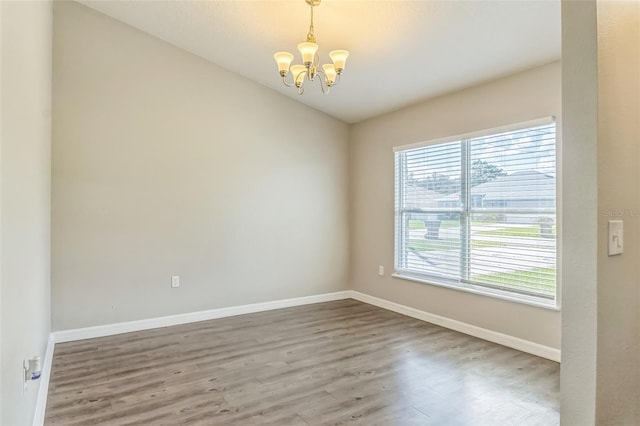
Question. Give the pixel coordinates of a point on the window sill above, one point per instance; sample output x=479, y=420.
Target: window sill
x=496, y=294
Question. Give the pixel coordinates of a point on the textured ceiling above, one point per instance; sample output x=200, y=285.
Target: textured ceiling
x=402, y=52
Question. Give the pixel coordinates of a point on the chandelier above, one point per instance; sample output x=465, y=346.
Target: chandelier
x=310, y=60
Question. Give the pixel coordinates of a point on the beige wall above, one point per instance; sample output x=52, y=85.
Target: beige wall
x=618, y=365
x=580, y=212
x=522, y=97
x=600, y=375
x=25, y=153
x=164, y=164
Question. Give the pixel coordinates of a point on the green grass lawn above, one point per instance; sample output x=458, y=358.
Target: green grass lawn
x=431, y=245
x=419, y=224
x=521, y=231
x=450, y=224
x=448, y=244
x=543, y=279
x=416, y=224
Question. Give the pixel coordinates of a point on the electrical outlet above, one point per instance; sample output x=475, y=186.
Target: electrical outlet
x=381, y=270
x=31, y=370
x=25, y=382
x=175, y=281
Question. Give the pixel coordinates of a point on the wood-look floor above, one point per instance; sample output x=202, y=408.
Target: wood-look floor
x=324, y=364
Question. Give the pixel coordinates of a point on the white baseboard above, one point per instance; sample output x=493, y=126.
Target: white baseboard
x=146, y=324
x=472, y=330
x=41, y=401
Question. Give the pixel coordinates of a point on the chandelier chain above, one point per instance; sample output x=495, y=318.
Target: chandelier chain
x=310, y=36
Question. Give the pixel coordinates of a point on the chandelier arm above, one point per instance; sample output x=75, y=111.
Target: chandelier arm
x=325, y=89
x=284, y=80
x=323, y=83
x=299, y=88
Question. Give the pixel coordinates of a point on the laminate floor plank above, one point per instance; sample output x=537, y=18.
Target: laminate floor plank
x=334, y=363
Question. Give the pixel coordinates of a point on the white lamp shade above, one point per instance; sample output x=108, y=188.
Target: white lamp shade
x=339, y=57
x=298, y=71
x=329, y=73
x=284, y=60
x=308, y=51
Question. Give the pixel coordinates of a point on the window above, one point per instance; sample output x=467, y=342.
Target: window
x=479, y=212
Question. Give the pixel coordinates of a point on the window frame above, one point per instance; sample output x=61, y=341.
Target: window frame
x=467, y=210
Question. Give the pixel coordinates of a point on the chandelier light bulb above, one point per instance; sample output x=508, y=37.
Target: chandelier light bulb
x=298, y=71
x=329, y=73
x=339, y=57
x=308, y=51
x=283, y=59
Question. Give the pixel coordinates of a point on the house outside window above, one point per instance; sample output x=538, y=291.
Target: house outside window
x=478, y=212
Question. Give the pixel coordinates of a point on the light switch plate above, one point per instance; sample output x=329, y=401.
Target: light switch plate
x=615, y=238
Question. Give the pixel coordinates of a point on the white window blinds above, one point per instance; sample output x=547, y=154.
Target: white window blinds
x=480, y=211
